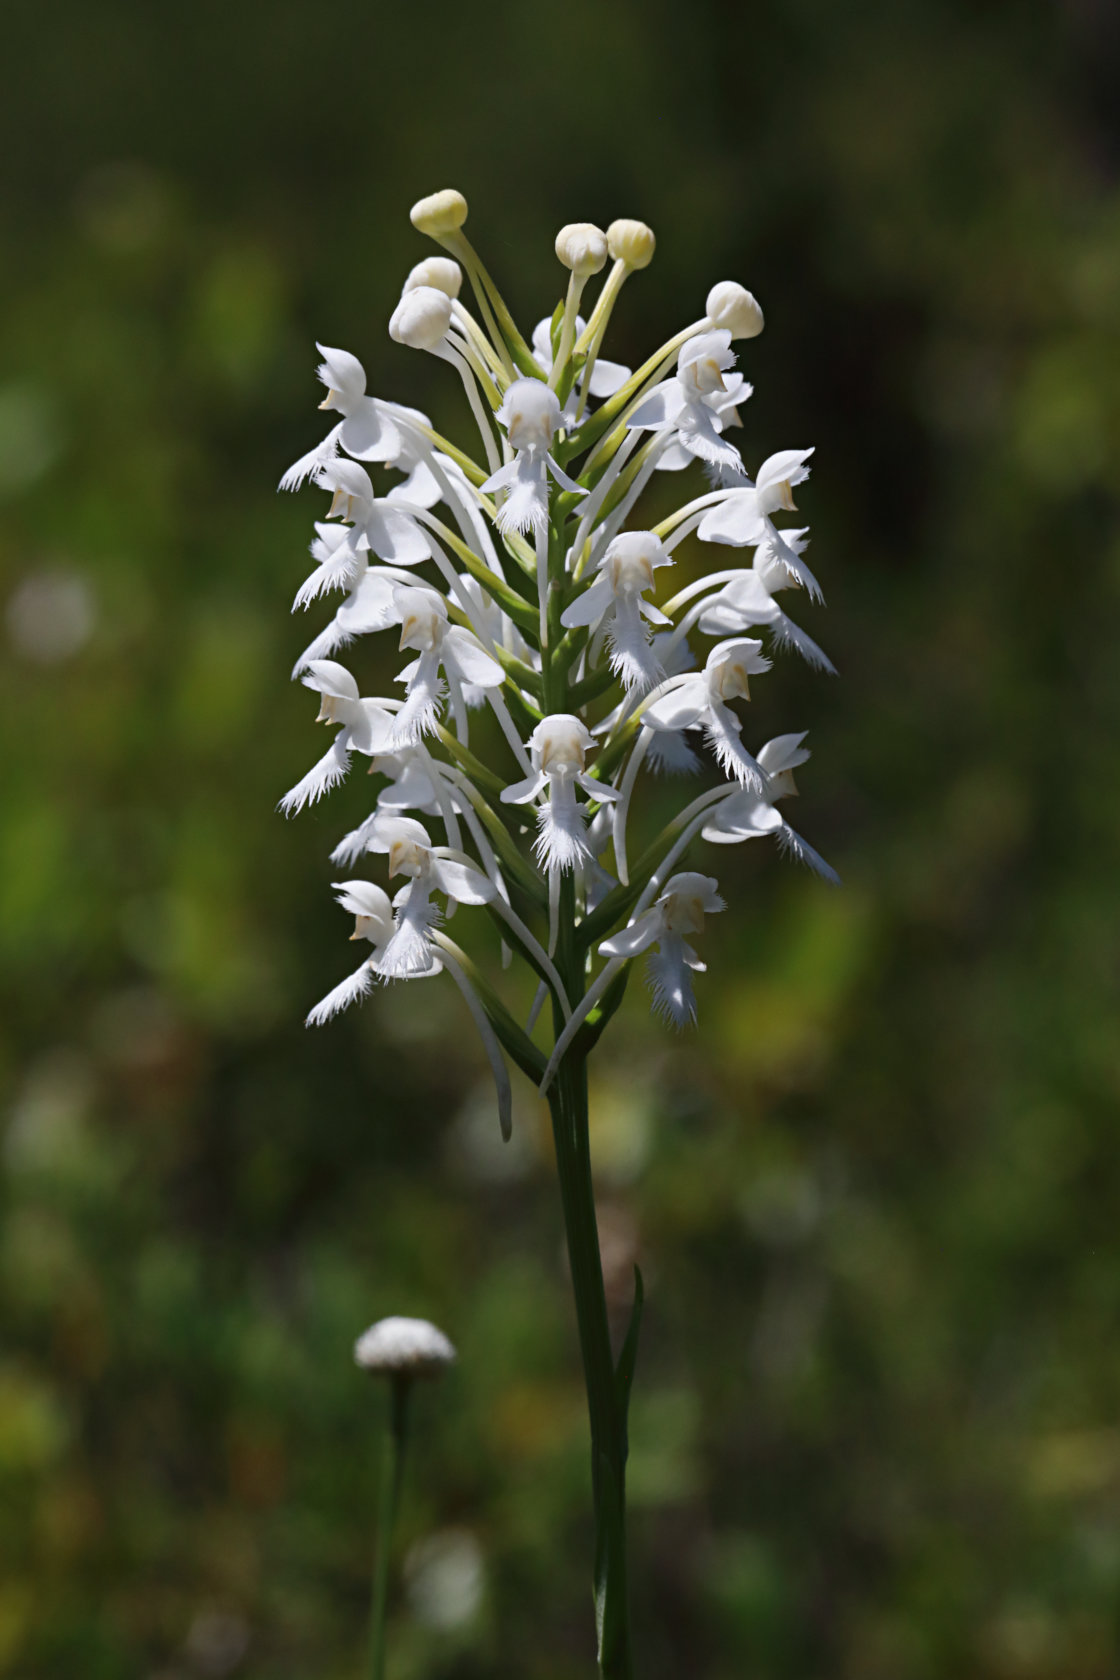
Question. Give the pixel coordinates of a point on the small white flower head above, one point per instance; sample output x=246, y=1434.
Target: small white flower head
x=559, y=743
x=442, y=274
x=732, y=307
x=421, y=318
x=404, y=1347
x=440, y=214
x=677, y=917
x=582, y=247
x=530, y=413
x=631, y=242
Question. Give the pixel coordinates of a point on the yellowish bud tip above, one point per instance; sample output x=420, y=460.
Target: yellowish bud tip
x=582, y=247
x=632, y=243
x=439, y=214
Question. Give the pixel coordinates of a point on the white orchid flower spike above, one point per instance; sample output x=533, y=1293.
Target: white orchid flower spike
x=540, y=611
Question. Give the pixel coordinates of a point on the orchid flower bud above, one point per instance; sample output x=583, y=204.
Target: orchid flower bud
x=631, y=242
x=731, y=306
x=443, y=274
x=582, y=247
x=421, y=318
x=440, y=214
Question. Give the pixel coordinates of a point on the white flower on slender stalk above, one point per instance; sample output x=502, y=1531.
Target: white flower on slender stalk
x=373, y=920
x=428, y=869
x=727, y=603
x=686, y=408
x=676, y=916
x=614, y=604
x=363, y=727
x=426, y=628
x=702, y=701
x=558, y=749
x=377, y=525
x=743, y=518
x=367, y=429
x=531, y=414
x=744, y=816
x=606, y=377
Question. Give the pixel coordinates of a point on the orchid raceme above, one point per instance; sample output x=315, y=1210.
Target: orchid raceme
x=550, y=672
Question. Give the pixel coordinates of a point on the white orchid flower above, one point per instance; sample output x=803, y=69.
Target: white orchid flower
x=703, y=701
x=364, y=727
x=425, y=627
x=373, y=920
x=367, y=430
x=726, y=603
x=531, y=414
x=606, y=377
x=428, y=869
x=745, y=816
x=558, y=751
x=685, y=408
x=677, y=915
x=375, y=523
x=743, y=518
x=614, y=603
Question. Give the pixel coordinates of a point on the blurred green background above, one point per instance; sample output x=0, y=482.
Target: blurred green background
x=875, y=1196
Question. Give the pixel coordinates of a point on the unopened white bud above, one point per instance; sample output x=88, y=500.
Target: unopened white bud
x=582, y=247
x=731, y=306
x=421, y=318
x=633, y=242
x=440, y=213
x=443, y=274
x=404, y=1347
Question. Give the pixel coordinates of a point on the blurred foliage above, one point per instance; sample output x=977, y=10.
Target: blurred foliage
x=877, y=1428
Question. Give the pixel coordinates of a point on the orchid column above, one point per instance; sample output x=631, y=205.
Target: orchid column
x=545, y=686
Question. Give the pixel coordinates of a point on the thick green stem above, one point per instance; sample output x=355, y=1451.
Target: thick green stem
x=392, y=1471
x=606, y=1408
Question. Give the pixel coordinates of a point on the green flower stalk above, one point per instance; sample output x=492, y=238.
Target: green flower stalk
x=544, y=686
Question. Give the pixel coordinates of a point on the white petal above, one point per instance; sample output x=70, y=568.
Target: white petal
x=461, y=880
x=520, y=793
x=681, y=708
x=639, y=936
x=473, y=663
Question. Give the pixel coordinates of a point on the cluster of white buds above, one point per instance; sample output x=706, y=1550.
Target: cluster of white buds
x=523, y=584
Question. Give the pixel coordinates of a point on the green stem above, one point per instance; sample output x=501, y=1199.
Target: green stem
x=569, y=1108
x=392, y=1471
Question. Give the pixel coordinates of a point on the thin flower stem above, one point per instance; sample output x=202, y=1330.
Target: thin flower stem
x=568, y=1105
x=392, y=1473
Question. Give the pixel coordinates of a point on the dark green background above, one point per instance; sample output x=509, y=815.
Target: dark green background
x=875, y=1195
